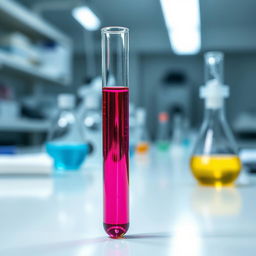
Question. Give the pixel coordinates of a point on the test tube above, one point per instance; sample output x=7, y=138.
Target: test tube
x=115, y=114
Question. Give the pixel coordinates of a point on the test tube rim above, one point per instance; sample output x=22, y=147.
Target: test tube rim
x=114, y=30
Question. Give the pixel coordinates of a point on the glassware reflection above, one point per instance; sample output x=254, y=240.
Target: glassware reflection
x=70, y=183
x=142, y=160
x=68, y=211
x=216, y=201
x=116, y=248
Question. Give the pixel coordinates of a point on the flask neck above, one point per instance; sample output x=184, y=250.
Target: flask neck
x=215, y=113
x=68, y=115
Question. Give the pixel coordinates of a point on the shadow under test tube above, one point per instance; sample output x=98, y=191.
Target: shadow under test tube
x=115, y=130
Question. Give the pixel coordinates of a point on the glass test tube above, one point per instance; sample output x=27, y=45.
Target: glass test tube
x=115, y=107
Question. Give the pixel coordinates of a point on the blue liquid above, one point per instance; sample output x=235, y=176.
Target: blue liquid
x=67, y=157
x=132, y=150
x=186, y=142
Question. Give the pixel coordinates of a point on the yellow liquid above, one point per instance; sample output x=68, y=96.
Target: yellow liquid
x=215, y=170
x=142, y=147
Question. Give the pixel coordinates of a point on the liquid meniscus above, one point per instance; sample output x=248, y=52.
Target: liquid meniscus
x=215, y=170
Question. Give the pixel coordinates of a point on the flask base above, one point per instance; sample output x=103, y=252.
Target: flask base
x=219, y=170
x=116, y=231
x=203, y=182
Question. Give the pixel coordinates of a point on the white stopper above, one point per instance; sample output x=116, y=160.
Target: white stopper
x=214, y=94
x=66, y=100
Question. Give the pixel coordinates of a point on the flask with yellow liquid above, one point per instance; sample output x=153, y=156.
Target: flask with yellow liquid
x=214, y=159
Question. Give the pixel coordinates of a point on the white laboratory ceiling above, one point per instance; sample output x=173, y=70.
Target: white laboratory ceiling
x=227, y=25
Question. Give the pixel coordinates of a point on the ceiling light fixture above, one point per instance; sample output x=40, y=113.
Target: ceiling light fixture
x=86, y=17
x=182, y=18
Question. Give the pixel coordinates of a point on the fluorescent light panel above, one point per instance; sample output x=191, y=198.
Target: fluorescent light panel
x=85, y=16
x=182, y=18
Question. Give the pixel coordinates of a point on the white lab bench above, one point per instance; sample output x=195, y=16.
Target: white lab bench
x=170, y=213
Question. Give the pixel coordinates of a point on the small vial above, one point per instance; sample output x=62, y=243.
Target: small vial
x=142, y=133
x=215, y=160
x=163, y=139
x=115, y=106
x=142, y=147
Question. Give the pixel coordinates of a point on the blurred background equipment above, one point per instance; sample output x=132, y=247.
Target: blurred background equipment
x=46, y=44
x=48, y=48
x=142, y=137
x=34, y=56
x=215, y=159
x=89, y=113
x=163, y=138
x=66, y=139
x=174, y=96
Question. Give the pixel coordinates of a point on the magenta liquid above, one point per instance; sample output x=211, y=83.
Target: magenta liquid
x=116, y=160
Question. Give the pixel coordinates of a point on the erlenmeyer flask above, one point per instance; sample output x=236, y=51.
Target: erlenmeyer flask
x=66, y=143
x=214, y=160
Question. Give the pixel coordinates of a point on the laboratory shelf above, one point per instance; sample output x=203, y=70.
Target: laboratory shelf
x=24, y=125
x=9, y=63
x=171, y=215
x=17, y=18
x=14, y=17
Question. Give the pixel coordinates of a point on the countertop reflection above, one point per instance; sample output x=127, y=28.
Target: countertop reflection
x=170, y=214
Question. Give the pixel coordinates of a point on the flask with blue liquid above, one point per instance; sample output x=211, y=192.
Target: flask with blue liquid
x=66, y=142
